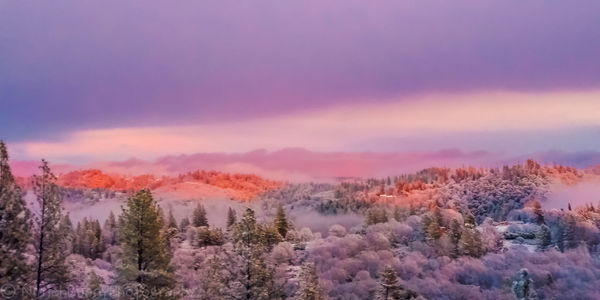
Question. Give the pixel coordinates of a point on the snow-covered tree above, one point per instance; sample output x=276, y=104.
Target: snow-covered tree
x=281, y=222
x=543, y=238
x=146, y=259
x=523, y=286
x=310, y=288
x=50, y=242
x=15, y=225
x=231, y=218
x=199, y=216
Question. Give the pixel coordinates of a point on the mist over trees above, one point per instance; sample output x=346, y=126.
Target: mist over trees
x=436, y=234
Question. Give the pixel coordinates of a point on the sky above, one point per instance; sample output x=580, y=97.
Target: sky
x=82, y=82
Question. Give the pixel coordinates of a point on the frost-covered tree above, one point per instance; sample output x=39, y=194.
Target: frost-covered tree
x=251, y=245
x=15, y=227
x=199, y=216
x=470, y=241
x=310, y=288
x=570, y=239
x=376, y=215
x=146, y=260
x=523, y=286
x=110, y=230
x=543, y=238
x=89, y=240
x=94, y=290
x=183, y=225
x=231, y=217
x=389, y=287
x=455, y=235
x=281, y=222
x=50, y=242
x=539, y=214
x=171, y=222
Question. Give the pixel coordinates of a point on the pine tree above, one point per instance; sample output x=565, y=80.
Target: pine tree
x=470, y=241
x=523, y=287
x=539, y=214
x=146, y=261
x=199, y=219
x=15, y=227
x=95, y=283
x=310, y=289
x=111, y=229
x=543, y=238
x=51, y=270
x=389, y=286
x=281, y=222
x=66, y=226
x=231, y=218
x=376, y=215
x=89, y=239
x=569, y=233
x=434, y=230
x=172, y=223
x=185, y=222
x=455, y=235
x=249, y=243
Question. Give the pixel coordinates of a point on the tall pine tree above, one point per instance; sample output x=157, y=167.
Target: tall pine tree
x=51, y=269
x=231, y=217
x=251, y=245
x=543, y=238
x=146, y=261
x=281, y=223
x=310, y=289
x=15, y=226
x=199, y=217
x=390, y=288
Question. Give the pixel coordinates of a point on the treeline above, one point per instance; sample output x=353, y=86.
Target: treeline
x=139, y=243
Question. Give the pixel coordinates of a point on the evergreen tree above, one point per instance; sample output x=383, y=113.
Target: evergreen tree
x=185, y=222
x=257, y=277
x=523, y=286
x=376, y=215
x=66, y=226
x=231, y=218
x=172, y=223
x=281, y=222
x=569, y=233
x=398, y=216
x=146, y=261
x=89, y=240
x=310, y=289
x=539, y=214
x=470, y=241
x=455, y=235
x=199, y=219
x=543, y=238
x=51, y=270
x=389, y=286
x=15, y=225
x=111, y=229
x=95, y=283
x=433, y=228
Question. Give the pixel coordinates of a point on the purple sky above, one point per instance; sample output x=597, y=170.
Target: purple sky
x=70, y=66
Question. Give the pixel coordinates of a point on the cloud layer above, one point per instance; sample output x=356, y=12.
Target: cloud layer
x=113, y=64
x=510, y=123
